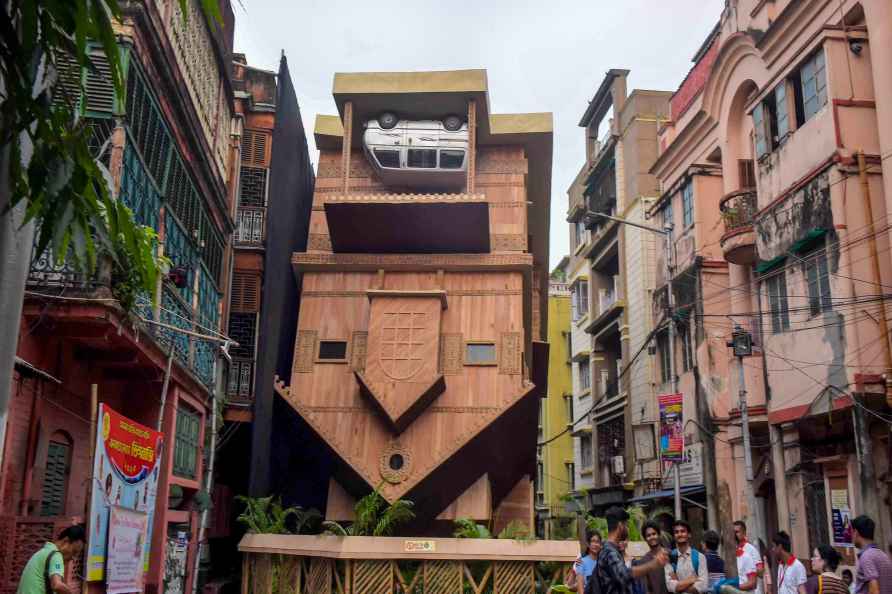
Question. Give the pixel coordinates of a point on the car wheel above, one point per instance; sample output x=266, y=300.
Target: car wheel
x=452, y=123
x=388, y=120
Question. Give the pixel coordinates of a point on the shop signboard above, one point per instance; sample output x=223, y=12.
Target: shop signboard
x=125, y=474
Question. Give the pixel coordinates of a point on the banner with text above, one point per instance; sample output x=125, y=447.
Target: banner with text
x=671, y=428
x=125, y=474
x=841, y=518
x=126, y=547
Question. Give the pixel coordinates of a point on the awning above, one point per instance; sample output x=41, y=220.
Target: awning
x=768, y=265
x=668, y=493
x=29, y=369
x=809, y=241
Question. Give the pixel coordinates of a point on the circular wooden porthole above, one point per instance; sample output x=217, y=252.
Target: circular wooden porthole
x=395, y=464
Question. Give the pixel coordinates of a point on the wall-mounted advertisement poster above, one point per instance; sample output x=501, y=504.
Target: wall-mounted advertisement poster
x=125, y=474
x=126, y=548
x=671, y=428
x=841, y=516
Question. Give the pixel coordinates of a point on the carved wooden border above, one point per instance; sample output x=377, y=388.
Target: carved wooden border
x=509, y=353
x=450, y=362
x=360, y=350
x=319, y=241
x=504, y=242
x=305, y=350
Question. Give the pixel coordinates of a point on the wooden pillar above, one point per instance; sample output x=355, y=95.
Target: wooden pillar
x=346, y=145
x=472, y=144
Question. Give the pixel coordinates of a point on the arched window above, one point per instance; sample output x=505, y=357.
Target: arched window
x=56, y=473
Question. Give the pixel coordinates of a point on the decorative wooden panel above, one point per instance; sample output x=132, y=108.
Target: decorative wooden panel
x=442, y=577
x=507, y=243
x=403, y=347
x=290, y=575
x=514, y=577
x=510, y=349
x=305, y=351
x=359, y=348
x=262, y=574
x=372, y=577
x=245, y=292
x=319, y=577
x=451, y=354
x=319, y=241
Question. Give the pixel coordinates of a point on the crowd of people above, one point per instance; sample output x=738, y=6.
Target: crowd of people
x=605, y=567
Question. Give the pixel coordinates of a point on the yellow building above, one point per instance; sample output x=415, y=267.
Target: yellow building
x=554, y=476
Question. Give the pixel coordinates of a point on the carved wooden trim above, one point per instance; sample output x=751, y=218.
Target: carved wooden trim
x=318, y=294
x=360, y=348
x=414, y=261
x=483, y=292
x=500, y=184
x=504, y=242
x=502, y=165
x=305, y=350
x=472, y=144
x=464, y=409
x=319, y=241
x=507, y=205
x=328, y=294
x=345, y=145
x=450, y=362
x=403, y=198
x=509, y=353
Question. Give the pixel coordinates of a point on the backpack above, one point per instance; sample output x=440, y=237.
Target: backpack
x=598, y=579
x=695, y=560
x=48, y=584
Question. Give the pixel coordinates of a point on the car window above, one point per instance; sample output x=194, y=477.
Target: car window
x=451, y=159
x=388, y=158
x=422, y=158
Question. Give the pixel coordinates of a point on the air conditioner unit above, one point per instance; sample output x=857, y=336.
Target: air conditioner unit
x=619, y=465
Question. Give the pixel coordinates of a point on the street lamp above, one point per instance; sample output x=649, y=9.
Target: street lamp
x=741, y=344
x=589, y=218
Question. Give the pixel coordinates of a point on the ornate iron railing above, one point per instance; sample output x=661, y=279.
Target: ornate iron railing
x=241, y=376
x=738, y=209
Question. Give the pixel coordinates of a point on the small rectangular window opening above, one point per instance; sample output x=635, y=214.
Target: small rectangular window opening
x=332, y=350
x=480, y=353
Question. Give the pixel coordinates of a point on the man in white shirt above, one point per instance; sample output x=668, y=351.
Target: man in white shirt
x=791, y=574
x=749, y=564
x=687, y=571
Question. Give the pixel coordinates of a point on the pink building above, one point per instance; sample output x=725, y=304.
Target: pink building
x=775, y=171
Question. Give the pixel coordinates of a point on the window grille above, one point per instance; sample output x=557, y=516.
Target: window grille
x=776, y=286
x=243, y=329
x=55, y=479
x=138, y=192
x=185, y=456
x=147, y=125
x=253, y=187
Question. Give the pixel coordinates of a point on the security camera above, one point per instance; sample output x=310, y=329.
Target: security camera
x=856, y=45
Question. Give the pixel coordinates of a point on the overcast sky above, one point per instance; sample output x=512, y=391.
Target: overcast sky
x=544, y=55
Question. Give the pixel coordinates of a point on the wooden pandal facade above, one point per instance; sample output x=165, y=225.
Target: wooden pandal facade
x=419, y=357
x=364, y=565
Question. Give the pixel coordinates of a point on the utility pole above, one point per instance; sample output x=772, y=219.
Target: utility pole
x=742, y=343
x=670, y=270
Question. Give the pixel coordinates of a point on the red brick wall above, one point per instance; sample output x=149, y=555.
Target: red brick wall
x=694, y=82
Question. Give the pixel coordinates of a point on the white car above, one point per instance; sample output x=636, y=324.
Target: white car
x=430, y=154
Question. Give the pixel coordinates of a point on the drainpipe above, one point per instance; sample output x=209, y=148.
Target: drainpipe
x=208, y=481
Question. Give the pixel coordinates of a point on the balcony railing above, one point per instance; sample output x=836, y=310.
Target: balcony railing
x=738, y=209
x=297, y=564
x=250, y=225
